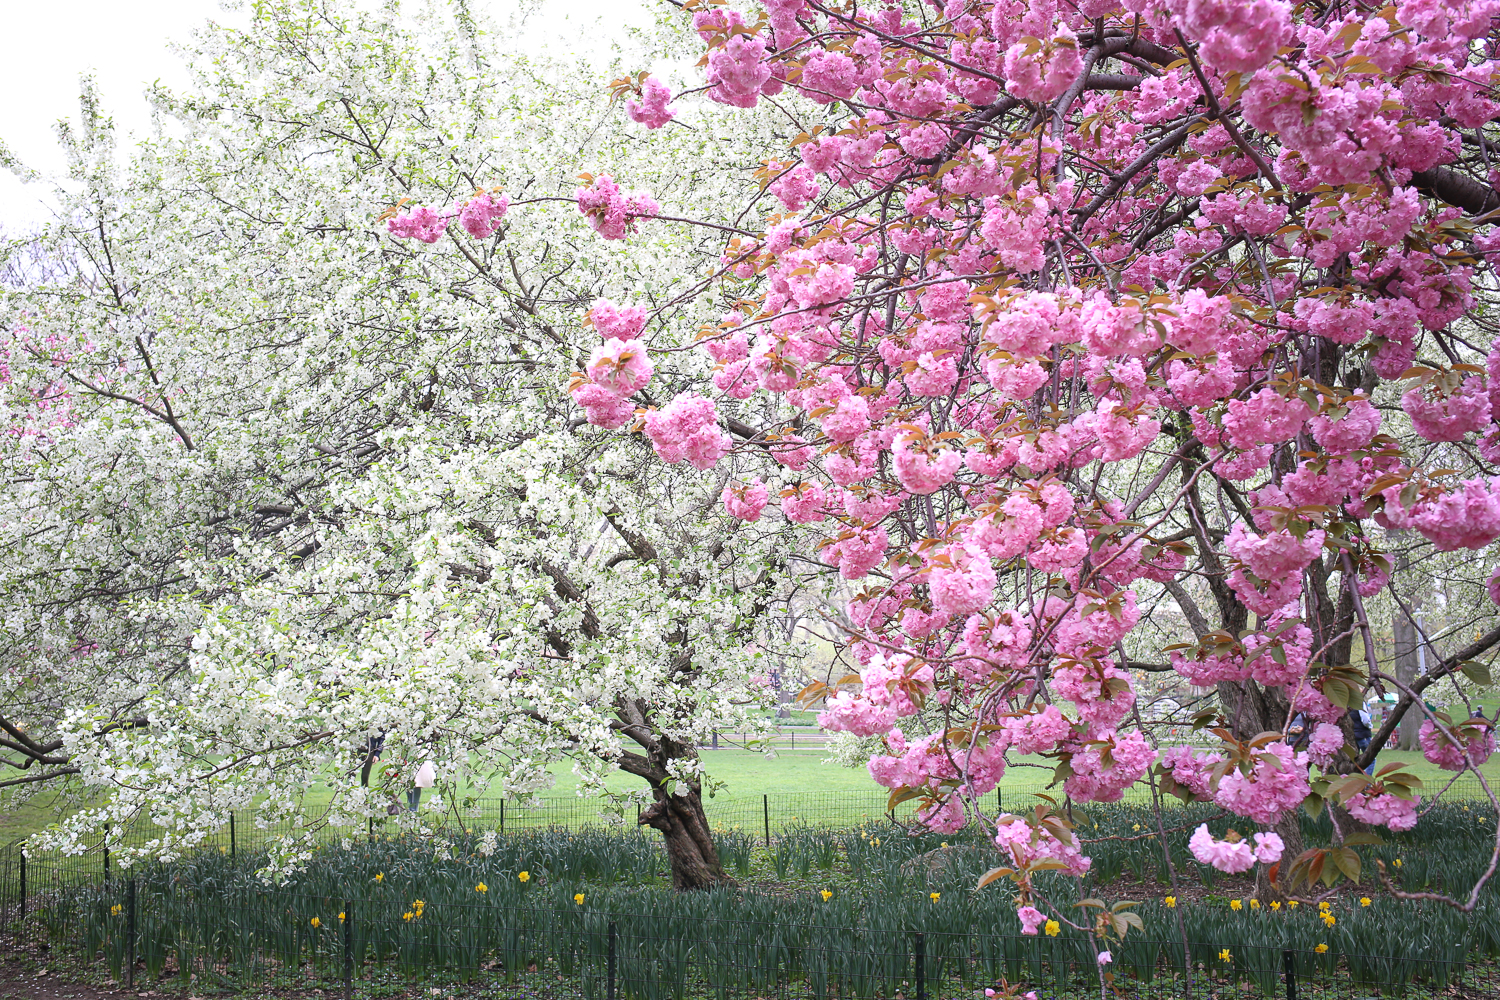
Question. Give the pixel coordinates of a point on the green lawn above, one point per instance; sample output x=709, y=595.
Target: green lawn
x=791, y=788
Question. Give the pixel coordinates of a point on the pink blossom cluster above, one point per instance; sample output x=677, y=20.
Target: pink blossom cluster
x=746, y=501
x=1027, y=844
x=1478, y=745
x=1326, y=742
x=421, y=223
x=479, y=216
x=1108, y=764
x=617, y=322
x=651, y=110
x=1276, y=784
x=1234, y=856
x=617, y=368
x=1448, y=417
x=1461, y=519
x=1378, y=807
x=612, y=212
x=687, y=428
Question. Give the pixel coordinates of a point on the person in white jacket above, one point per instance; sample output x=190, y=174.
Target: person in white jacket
x=425, y=777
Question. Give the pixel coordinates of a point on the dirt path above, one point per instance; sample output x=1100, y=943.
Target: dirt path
x=18, y=983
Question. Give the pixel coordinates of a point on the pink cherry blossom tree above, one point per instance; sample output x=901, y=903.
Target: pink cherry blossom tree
x=1106, y=339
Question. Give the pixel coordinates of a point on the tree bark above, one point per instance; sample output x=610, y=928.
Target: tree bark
x=679, y=818
x=1404, y=631
x=690, y=843
x=1289, y=829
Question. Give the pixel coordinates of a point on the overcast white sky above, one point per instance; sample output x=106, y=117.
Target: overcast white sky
x=125, y=46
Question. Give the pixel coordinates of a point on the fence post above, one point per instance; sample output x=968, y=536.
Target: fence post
x=920, y=955
x=609, y=965
x=1291, y=975
x=130, y=933
x=348, y=950
x=106, y=854
x=23, y=888
x=502, y=815
x=999, y=802
x=231, y=833
x=765, y=805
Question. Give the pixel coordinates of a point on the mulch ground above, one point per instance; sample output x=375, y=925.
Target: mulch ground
x=21, y=983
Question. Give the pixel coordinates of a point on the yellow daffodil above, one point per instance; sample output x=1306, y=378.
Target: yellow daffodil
x=1137, y=828
x=1275, y=905
x=1364, y=901
x=114, y=911
x=1224, y=955
x=578, y=899
x=380, y=876
x=1398, y=862
x=524, y=876
x=827, y=895
x=1321, y=948
x=1254, y=904
x=341, y=916
x=945, y=844
x=316, y=922
x=1235, y=904
x=1292, y=904
x=1325, y=906
x=934, y=896
x=1171, y=902
x=481, y=887
x=407, y=916
x=1052, y=927
x=1329, y=919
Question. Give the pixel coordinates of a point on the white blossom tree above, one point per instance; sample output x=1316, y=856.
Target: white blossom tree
x=279, y=484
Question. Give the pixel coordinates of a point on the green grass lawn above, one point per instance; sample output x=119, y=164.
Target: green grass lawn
x=793, y=787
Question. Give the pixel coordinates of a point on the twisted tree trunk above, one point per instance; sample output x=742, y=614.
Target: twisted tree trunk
x=677, y=812
x=690, y=843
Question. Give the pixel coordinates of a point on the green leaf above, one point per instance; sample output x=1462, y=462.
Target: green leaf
x=1479, y=673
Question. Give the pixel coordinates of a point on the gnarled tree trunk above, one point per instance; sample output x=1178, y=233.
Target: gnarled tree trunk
x=679, y=817
x=690, y=844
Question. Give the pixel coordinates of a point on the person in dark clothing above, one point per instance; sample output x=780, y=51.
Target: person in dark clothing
x=372, y=754
x=1359, y=726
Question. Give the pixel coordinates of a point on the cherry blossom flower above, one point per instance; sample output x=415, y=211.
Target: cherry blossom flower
x=651, y=110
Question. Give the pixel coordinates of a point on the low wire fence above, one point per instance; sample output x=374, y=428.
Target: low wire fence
x=570, y=948
x=28, y=870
